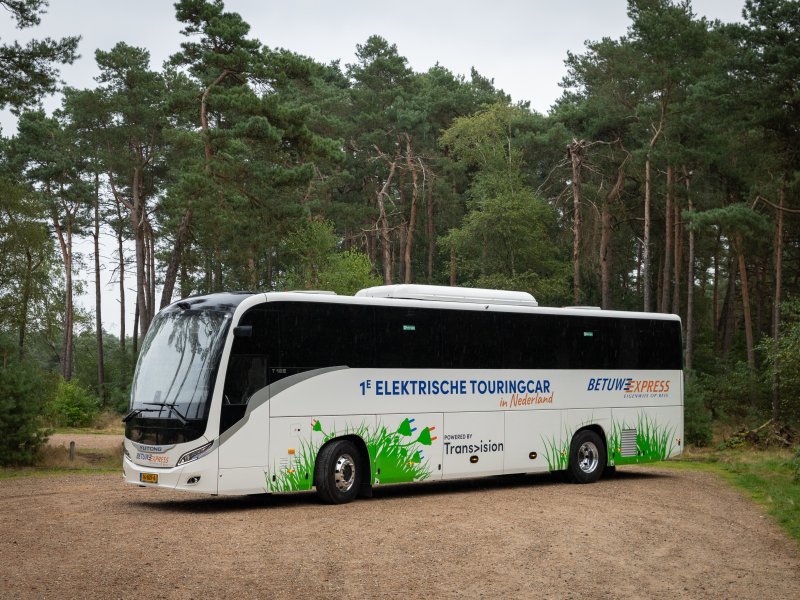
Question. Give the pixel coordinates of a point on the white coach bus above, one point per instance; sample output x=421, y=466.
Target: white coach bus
x=246, y=393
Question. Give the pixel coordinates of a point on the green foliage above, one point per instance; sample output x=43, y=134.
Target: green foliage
x=347, y=272
x=23, y=390
x=118, y=369
x=310, y=250
x=735, y=392
x=795, y=464
x=72, y=405
x=506, y=238
x=696, y=417
x=783, y=360
x=29, y=72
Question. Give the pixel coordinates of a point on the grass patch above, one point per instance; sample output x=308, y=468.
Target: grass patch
x=766, y=476
x=55, y=461
x=106, y=423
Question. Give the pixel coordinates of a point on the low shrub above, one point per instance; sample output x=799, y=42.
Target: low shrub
x=23, y=393
x=73, y=405
x=696, y=417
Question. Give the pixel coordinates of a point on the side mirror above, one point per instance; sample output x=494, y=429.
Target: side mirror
x=243, y=331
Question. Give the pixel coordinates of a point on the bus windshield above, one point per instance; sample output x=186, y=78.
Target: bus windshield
x=175, y=376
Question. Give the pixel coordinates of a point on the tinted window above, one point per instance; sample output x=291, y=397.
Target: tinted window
x=247, y=365
x=659, y=345
x=407, y=337
x=470, y=340
x=314, y=335
x=531, y=341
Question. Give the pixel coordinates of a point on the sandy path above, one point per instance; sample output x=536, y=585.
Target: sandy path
x=648, y=533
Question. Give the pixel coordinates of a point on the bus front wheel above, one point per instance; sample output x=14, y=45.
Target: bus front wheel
x=587, y=457
x=338, y=472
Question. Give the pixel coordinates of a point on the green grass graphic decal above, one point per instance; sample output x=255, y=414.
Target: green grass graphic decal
x=653, y=441
x=557, y=456
x=395, y=456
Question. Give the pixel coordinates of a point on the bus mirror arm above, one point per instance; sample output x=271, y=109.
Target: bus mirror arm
x=243, y=331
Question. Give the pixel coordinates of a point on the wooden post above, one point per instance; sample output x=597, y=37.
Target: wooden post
x=71, y=451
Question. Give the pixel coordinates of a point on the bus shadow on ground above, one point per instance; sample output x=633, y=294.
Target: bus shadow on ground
x=221, y=504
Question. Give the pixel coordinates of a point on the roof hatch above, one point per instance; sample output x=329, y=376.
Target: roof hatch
x=441, y=293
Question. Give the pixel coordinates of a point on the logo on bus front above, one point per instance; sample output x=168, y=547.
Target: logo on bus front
x=152, y=449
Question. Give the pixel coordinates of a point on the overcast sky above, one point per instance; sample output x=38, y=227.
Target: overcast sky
x=521, y=44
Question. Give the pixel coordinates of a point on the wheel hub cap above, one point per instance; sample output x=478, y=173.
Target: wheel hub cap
x=344, y=473
x=588, y=457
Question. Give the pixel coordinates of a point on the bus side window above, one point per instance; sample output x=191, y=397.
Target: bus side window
x=247, y=368
x=409, y=338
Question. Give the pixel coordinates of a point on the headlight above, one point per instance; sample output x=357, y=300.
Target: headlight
x=194, y=454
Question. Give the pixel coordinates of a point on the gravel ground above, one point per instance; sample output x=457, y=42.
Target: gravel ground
x=646, y=533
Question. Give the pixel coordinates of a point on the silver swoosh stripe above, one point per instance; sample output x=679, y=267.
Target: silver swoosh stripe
x=263, y=395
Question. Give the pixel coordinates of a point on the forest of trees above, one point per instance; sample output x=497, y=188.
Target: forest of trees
x=665, y=178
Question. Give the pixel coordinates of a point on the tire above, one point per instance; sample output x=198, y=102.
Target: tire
x=338, y=472
x=587, y=457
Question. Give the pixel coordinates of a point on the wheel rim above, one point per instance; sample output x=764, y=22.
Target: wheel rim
x=344, y=474
x=588, y=457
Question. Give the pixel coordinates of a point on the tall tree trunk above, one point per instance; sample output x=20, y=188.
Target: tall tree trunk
x=689, y=285
x=659, y=283
x=646, y=236
x=122, y=315
x=677, y=260
x=575, y=152
x=605, y=257
x=26, y=297
x=216, y=281
x=383, y=225
x=175, y=258
x=138, y=225
x=252, y=276
x=726, y=315
x=715, y=295
x=65, y=242
x=639, y=275
x=748, y=325
x=776, y=303
x=412, y=218
x=453, y=268
x=431, y=230
x=648, y=190
x=151, y=267
x=668, y=233
x=135, y=331
x=98, y=292
x=605, y=237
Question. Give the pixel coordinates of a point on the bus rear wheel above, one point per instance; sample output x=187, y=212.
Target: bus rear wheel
x=338, y=472
x=587, y=457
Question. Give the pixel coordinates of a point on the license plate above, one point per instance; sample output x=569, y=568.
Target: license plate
x=148, y=477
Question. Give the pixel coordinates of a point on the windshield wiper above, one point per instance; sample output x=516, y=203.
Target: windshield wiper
x=135, y=412
x=171, y=407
